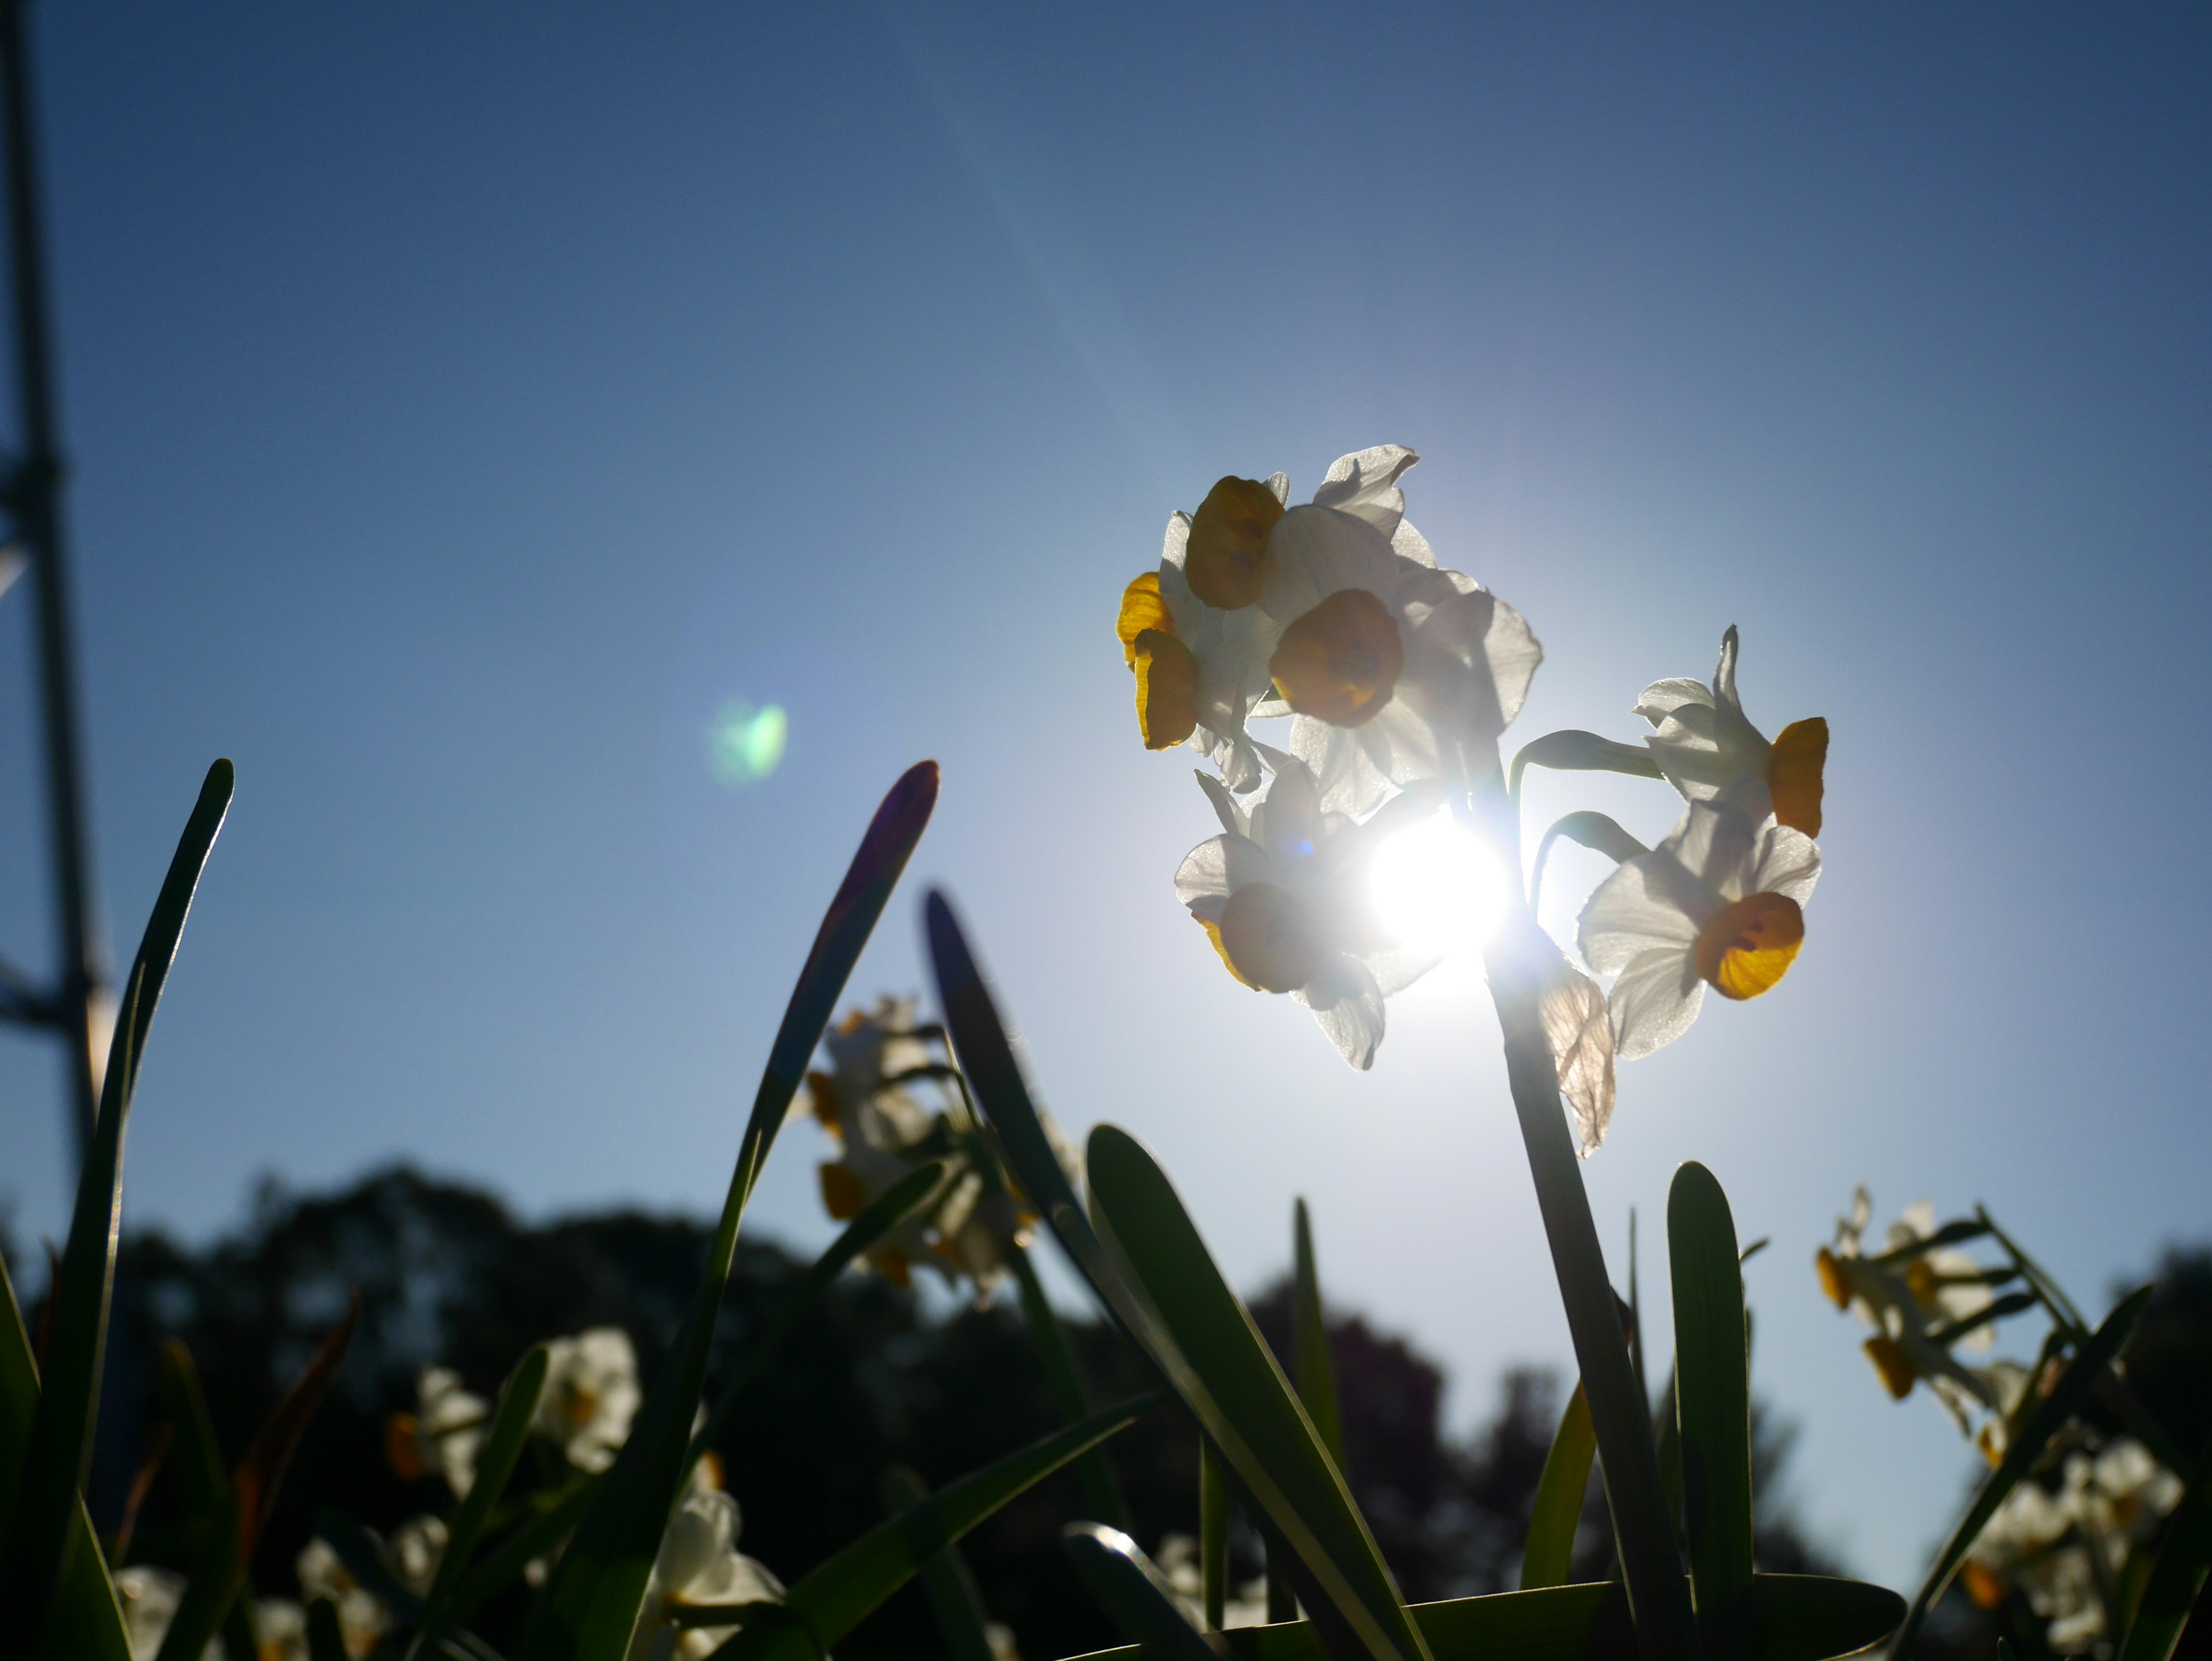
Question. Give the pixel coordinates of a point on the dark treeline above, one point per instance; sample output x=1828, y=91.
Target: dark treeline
x=867, y=1379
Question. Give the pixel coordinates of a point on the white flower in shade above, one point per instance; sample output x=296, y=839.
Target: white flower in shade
x=416, y=1548
x=1197, y=633
x=698, y=1563
x=1178, y=1560
x=280, y=1631
x=443, y=1434
x=1710, y=750
x=590, y=1396
x=149, y=1598
x=1718, y=903
x=1286, y=896
x=361, y=1617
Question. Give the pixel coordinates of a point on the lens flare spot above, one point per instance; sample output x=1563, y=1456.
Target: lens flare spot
x=744, y=744
x=1437, y=887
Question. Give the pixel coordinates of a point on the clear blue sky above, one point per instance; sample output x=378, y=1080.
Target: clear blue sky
x=466, y=402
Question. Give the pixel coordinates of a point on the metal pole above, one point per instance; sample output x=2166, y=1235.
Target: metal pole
x=34, y=493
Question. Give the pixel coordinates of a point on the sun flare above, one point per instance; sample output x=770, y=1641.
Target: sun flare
x=1439, y=887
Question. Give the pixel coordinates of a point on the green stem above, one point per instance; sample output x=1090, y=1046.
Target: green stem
x=1213, y=1533
x=1658, y=1594
x=1092, y=1473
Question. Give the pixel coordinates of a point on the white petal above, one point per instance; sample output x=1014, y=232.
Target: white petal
x=1313, y=552
x=1185, y=610
x=1349, y=781
x=1399, y=967
x=1177, y=541
x=1225, y=805
x=1348, y=1004
x=1280, y=484
x=1788, y=862
x=1408, y=543
x=1656, y=997
x=1514, y=654
x=1664, y=698
x=1366, y=485
x=1724, y=672
x=1636, y=910
x=1579, y=1025
x=1214, y=870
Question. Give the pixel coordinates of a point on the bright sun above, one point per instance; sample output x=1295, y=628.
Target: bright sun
x=1437, y=887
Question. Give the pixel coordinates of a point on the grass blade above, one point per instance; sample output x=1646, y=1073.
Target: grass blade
x=1212, y=1534
x=502, y=1447
x=961, y=1621
x=2068, y=1398
x=1317, y=1371
x=1549, y=1559
x=200, y=1473
x=39, y=1536
x=1796, y=1617
x=1049, y=1337
x=1204, y=1339
x=845, y=1591
x=2177, y=1576
x=325, y=1640
x=1712, y=1405
x=506, y=1562
x=87, y=1617
x=592, y=1602
x=228, y=1550
x=884, y=1214
x=1136, y=1596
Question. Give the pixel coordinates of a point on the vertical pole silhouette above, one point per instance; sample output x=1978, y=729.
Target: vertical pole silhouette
x=31, y=492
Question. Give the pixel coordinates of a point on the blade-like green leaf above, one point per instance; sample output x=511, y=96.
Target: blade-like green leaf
x=2177, y=1576
x=994, y=1078
x=40, y=1493
x=504, y=1563
x=227, y=1552
x=592, y=1603
x=1558, y=1510
x=87, y=1622
x=496, y=1461
x=1573, y=751
x=366, y=1559
x=842, y=1592
x=1712, y=1404
x=1101, y=1500
x=1136, y=1596
x=1796, y=1617
x=1316, y=1369
x=1203, y=1338
x=325, y=1639
x=201, y=1478
x=884, y=1214
x=2051, y=1416
x=946, y=1581
x=1212, y=1534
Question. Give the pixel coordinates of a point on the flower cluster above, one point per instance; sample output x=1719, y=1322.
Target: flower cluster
x=873, y=1102
x=1399, y=679
x=2062, y=1547
x=590, y=1396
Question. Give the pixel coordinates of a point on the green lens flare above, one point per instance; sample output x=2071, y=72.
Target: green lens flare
x=744, y=744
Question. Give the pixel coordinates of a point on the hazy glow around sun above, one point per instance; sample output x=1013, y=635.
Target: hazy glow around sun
x=1439, y=887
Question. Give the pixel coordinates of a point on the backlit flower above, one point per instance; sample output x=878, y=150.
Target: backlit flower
x=361, y=1618
x=698, y=1563
x=149, y=1598
x=1397, y=672
x=1718, y=903
x=1710, y=750
x=1194, y=632
x=443, y=1434
x=590, y=1396
x=1284, y=893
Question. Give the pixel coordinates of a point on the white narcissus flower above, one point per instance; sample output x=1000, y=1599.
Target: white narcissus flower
x=698, y=1563
x=149, y=1598
x=1178, y=1560
x=1196, y=634
x=1710, y=750
x=444, y=1434
x=590, y=1396
x=1718, y=903
x=1285, y=895
x=1578, y=1026
x=361, y=1617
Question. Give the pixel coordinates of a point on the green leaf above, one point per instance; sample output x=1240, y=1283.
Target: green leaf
x=1049, y=1337
x=1574, y=751
x=227, y=1552
x=1213, y=1533
x=882, y=1214
x=365, y=1559
x=1559, y=1493
x=2051, y=1415
x=845, y=1591
x=197, y=1461
x=504, y=1564
x=1203, y=1338
x=325, y=1639
x=1712, y=1404
x=39, y=1492
x=87, y=1622
x=1310, y=1340
x=598, y=1587
x=1796, y=1617
x=495, y=1460
x=2177, y=1576
x=946, y=1581
x=1136, y=1596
